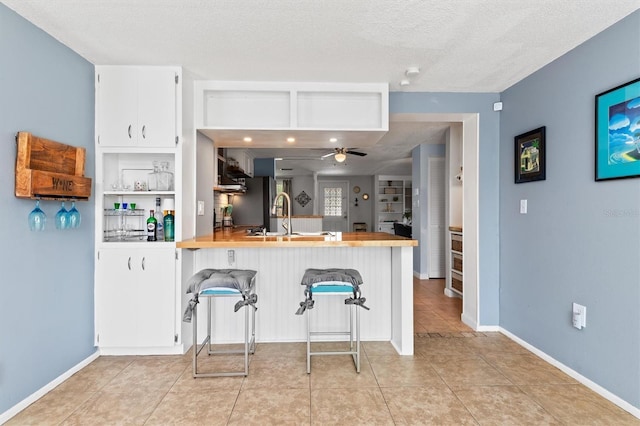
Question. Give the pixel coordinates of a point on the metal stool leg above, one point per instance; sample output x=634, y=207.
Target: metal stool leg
x=354, y=347
x=249, y=343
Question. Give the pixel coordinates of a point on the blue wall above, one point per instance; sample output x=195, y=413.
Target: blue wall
x=580, y=241
x=46, y=290
x=489, y=136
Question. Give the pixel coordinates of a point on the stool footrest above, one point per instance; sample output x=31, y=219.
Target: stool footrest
x=334, y=353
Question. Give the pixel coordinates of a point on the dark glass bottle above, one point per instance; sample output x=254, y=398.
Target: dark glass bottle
x=151, y=227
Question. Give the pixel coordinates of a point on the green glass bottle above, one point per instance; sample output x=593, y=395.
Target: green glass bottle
x=151, y=227
x=169, y=226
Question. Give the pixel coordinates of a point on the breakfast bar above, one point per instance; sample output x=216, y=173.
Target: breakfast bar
x=385, y=262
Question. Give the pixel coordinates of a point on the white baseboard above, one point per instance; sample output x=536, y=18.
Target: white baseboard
x=420, y=276
x=4, y=417
x=163, y=350
x=488, y=328
x=574, y=374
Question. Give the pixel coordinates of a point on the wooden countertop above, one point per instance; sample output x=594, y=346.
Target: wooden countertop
x=237, y=237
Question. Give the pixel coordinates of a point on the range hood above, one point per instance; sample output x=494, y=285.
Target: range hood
x=234, y=188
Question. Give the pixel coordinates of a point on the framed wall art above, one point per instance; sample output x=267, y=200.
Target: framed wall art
x=618, y=132
x=530, y=157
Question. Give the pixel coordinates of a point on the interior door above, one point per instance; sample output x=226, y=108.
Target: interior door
x=334, y=205
x=435, y=221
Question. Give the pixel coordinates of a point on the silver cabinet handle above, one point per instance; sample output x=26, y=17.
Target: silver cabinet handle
x=129, y=263
x=129, y=131
x=144, y=132
x=143, y=259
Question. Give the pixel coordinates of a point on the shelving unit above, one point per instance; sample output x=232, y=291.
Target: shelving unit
x=393, y=199
x=120, y=173
x=137, y=298
x=456, y=284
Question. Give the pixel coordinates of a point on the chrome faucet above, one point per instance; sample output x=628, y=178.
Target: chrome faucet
x=273, y=210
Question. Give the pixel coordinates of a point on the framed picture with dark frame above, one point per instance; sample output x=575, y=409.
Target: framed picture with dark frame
x=530, y=157
x=618, y=132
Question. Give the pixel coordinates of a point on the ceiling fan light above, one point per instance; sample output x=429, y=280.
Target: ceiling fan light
x=340, y=157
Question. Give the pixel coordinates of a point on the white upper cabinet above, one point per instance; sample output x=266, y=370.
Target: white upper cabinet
x=136, y=106
x=226, y=112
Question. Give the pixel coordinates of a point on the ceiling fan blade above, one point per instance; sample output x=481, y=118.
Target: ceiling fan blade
x=361, y=154
x=328, y=155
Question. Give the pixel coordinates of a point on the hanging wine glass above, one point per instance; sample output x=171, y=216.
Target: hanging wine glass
x=74, y=216
x=62, y=218
x=37, y=218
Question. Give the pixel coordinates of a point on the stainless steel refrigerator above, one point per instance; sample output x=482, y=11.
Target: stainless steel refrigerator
x=253, y=208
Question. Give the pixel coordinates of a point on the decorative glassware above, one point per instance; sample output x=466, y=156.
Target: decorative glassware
x=37, y=218
x=152, y=178
x=165, y=177
x=74, y=216
x=62, y=218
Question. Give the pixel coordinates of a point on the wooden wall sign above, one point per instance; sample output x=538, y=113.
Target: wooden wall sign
x=50, y=170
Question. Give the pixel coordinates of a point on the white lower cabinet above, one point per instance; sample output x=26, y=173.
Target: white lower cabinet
x=135, y=297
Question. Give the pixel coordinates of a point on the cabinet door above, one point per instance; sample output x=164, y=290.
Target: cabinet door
x=134, y=297
x=248, y=168
x=117, y=106
x=156, y=295
x=137, y=106
x=157, y=107
x=115, y=299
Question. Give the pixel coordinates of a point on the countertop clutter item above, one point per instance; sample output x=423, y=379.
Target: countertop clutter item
x=50, y=170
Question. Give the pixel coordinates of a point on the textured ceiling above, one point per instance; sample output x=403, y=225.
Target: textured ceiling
x=459, y=45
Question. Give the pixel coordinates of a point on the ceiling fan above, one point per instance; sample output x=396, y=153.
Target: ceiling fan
x=340, y=154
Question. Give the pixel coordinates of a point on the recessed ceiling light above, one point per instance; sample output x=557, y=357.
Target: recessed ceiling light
x=291, y=139
x=334, y=140
x=247, y=139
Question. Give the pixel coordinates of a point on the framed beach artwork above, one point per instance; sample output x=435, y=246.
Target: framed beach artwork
x=530, y=157
x=618, y=132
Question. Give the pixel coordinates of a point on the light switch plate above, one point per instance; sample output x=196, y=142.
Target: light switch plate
x=200, y=208
x=523, y=206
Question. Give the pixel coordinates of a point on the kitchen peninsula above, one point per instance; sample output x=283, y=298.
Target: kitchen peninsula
x=384, y=261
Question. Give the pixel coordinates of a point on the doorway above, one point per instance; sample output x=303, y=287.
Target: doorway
x=334, y=205
x=467, y=124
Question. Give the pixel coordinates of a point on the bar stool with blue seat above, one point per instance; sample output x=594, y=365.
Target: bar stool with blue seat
x=212, y=283
x=330, y=282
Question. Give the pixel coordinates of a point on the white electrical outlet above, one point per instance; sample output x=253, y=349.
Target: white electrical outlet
x=579, y=317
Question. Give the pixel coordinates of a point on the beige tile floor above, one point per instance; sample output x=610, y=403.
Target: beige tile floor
x=456, y=377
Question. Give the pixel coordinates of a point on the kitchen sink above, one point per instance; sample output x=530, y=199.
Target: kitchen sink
x=267, y=234
x=293, y=235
